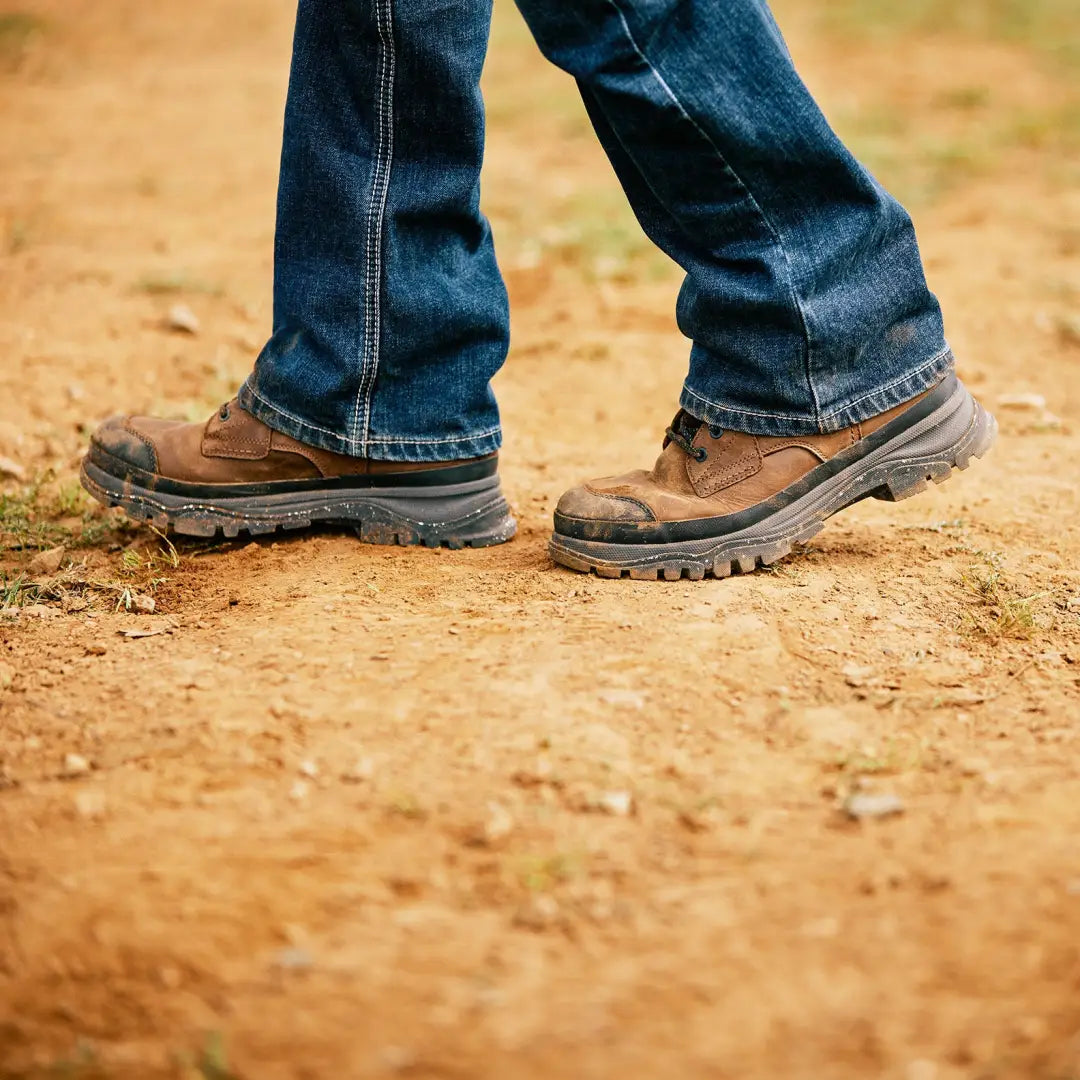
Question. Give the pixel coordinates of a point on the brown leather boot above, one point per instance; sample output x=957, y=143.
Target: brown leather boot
x=234, y=473
x=718, y=501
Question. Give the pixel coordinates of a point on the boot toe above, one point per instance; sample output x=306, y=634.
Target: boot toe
x=584, y=510
x=117, y=443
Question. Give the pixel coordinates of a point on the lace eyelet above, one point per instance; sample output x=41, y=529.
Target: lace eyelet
x=715, y=432
x=700, y=453
x=223, y=412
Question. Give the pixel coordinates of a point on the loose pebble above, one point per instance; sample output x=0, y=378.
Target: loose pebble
x=90, y=804
x=293, y=959
x=143, y=604
x=75, y=765
x=1022, y=401
x=618, y=803
x=11, y=470
x=499, y=823
x=867, y=804
x=364, y=769
x=182, y=319
x=537, y=913
x=46, y=563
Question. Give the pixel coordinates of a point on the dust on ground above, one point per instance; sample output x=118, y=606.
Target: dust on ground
x=330, y=810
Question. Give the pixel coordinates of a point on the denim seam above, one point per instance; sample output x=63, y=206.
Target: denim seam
x=421, y=441
x=373, y=266
x=299, y=423
x=913, y=374
x=935, y=359
x=749, y=195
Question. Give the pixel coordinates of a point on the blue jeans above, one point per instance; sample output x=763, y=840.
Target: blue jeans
x=804, y=299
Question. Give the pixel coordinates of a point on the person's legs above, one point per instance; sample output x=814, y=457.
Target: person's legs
x=390, y=316
x=371, y=404
x=819, y=372
x=805, y=297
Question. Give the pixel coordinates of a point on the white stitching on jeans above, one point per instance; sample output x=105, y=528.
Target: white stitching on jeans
x=934, y=361
x=738, y=179
x=300, y=425
x=373, y=264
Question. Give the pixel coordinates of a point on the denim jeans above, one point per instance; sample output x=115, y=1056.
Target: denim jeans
x=804, y=298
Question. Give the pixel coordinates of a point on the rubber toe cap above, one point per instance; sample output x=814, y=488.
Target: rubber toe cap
x=122, y=445
x=586, y=513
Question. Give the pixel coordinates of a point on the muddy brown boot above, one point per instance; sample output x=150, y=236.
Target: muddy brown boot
x=234, y=473
x=718, y=501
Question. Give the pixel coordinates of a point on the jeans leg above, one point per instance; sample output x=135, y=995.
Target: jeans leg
x=390, y=317
x=805, y=297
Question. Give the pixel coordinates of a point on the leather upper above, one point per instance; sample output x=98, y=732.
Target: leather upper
x=732, y=472
x=232, y=447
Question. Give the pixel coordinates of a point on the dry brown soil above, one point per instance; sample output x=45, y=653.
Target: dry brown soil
x=358, y=812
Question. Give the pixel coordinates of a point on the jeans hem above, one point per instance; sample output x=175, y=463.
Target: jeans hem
x=374, y=447
x=753, y=422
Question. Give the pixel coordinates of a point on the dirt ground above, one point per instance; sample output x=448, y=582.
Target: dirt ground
x=348, y=812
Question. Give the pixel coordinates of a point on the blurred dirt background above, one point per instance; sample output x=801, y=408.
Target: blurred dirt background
x=311, y=809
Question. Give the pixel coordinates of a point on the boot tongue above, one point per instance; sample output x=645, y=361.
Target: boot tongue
x=686, y=425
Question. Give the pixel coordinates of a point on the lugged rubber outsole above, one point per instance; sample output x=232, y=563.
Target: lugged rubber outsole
x=472, y=514
x=950, y=438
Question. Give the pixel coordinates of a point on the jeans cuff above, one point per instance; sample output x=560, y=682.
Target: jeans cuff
x=864, y=407
x=375, y=448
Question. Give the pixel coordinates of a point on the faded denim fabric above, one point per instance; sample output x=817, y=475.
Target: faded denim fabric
x=804, y=298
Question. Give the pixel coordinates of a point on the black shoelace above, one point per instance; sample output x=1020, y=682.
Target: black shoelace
x=682, y=434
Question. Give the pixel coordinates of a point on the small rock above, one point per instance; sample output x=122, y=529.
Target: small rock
x=499, y=823
x=46, y=563
x=75, y=765
x=38, y=611
x=96, y=649
x=538, y=913
x=293, y=959
x=629, y=699
x=1022, y=401
x=182, y=319
x=865, y=804
x=309, y=769
x=299, y=791
x=143, y=604
x=7, y=675
x=856, y=675
x=364, y=769
x=90, y=804
x=921, y=1069
x=11, y=470
x=618, y=803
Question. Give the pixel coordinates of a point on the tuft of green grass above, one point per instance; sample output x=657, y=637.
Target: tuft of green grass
x=38, y=516
x=17, y=30
x=541, y=873
x=213, y=1061
x=997, y=611
x=406, y=806
x=42, y=515
x=18, y=236
x=175, y=283
x=891, y=760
